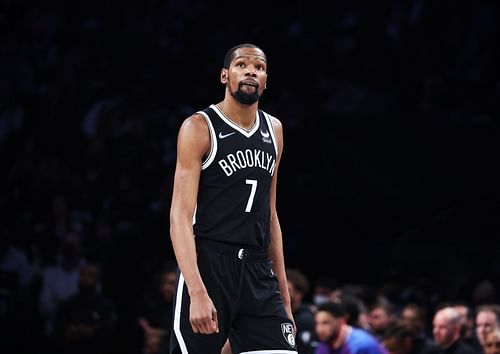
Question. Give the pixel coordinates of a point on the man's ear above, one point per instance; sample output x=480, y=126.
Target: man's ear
x=223, y=76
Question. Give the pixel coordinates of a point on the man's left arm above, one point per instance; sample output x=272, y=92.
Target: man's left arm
x=276, y=246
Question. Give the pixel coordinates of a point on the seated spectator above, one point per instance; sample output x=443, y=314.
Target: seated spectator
x=380, y=316
x=492, y=343
x=413, y=315
x=351, y=296
x=400, y=338
x=60, y=281
x=18, y=289
x=467, y=318
x=487, y=321
x=446, y=327
x=155, y=311
x=324, y=286
x=336, y=336
x=86, y=322
x=298, y=287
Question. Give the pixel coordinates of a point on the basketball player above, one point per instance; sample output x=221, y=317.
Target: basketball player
x=225, y=229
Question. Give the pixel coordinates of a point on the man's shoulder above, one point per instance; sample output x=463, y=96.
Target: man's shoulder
x=322, y=348
x=361, y=341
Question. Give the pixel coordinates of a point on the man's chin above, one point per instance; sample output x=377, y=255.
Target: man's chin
x=246, y=98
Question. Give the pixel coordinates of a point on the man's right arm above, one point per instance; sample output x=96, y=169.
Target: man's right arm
x=192, y=145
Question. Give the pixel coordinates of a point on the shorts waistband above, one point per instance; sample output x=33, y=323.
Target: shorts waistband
x=238, y=251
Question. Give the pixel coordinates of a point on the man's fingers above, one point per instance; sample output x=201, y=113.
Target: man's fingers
x=215, y=321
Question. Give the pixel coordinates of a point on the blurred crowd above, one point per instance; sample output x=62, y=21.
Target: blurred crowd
x=92, y=94
x=355, y=318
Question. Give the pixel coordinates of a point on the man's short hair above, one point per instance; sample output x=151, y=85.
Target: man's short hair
x=337, y=310
x=229, y=57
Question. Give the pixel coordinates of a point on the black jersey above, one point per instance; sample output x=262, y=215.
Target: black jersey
x=233, y=195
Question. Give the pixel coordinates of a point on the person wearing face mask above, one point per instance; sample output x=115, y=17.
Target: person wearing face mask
x=323, y=289
x=85, y=323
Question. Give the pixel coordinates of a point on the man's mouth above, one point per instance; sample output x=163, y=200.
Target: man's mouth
x=249, y=83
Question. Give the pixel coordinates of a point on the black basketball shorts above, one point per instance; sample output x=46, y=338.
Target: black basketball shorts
x=249, y=306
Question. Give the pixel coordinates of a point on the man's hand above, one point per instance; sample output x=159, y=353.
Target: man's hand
x=203, y=315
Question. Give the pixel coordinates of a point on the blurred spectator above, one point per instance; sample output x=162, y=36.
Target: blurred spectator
x=323, y=287
x=155, y=310
x=60, y=281
x=487, y=321
x=492, y=344
x=15, y=260
x=86, y=322
x=380, y=316
x=298, y=287
x=401, y=338
x=446, y=331
x=413, y=316
x=467, y=320
x=353, y=297
x=336, y=336
x=18, y=286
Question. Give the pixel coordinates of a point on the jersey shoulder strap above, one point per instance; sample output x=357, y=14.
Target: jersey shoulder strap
x=211, y=119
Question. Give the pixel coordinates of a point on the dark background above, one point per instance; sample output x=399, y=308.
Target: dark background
x=390, y=167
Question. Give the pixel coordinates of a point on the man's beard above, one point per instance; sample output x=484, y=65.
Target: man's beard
x=332, y=338
x=245, y=97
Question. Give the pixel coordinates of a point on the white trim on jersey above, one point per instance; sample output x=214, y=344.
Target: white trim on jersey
x=271, y=129
x=213, y=142
x=247, y=133
x=177, y=315
x=276, y=351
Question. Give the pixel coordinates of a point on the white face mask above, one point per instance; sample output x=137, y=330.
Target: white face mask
x=319, y=299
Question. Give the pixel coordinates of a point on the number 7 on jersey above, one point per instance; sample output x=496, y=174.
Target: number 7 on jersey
x=253, y=183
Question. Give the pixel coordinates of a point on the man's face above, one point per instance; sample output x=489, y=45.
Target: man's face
x=492, y=343
x=168, y=281
x=443, y=331
x=486, y=322
x=378, y=319
x=247, y=75
x=327, y=326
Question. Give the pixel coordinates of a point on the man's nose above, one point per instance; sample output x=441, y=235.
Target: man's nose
x=251, y=71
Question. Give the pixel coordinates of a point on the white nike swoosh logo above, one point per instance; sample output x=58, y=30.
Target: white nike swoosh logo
x=222, y=136
x=264, y=134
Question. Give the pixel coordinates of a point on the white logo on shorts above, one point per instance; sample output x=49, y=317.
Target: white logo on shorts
x=287, y=330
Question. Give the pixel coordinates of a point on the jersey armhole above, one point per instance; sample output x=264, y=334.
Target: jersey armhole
x=270, y=126
x=213, y=142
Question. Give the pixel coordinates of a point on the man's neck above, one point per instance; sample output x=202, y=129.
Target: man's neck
x=345, y=331
x=241, y=114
